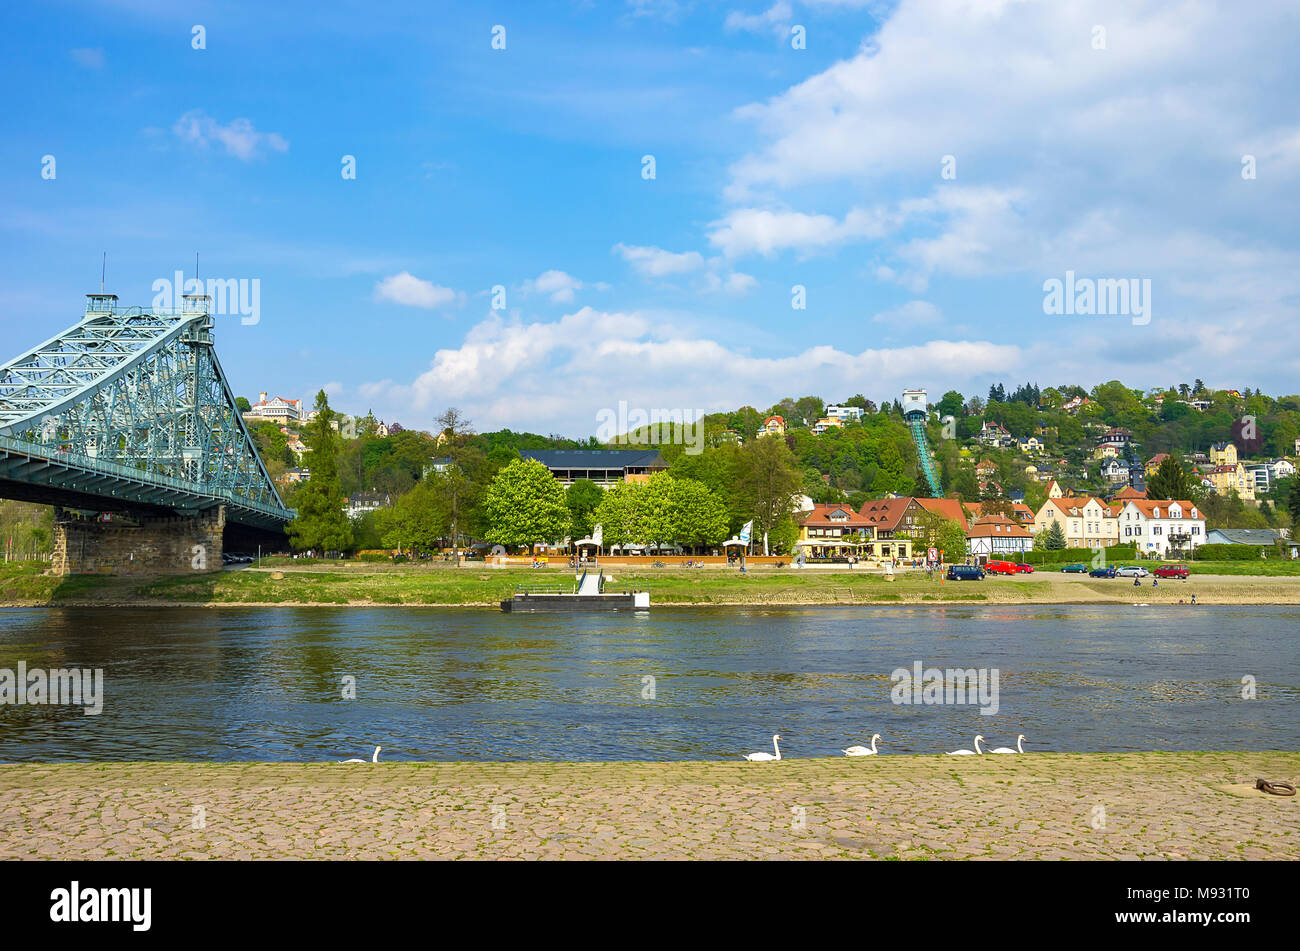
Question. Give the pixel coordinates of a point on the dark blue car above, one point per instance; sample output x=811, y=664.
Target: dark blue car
x=1110, y=571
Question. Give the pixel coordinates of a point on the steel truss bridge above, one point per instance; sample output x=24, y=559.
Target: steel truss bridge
x=129, y=410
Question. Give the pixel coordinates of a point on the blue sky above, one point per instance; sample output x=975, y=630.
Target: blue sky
x=1115, y=155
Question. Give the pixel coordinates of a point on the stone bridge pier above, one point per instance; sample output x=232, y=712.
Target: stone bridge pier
x=138, y=544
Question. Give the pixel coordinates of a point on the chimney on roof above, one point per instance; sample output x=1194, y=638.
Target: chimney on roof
x=261, y=397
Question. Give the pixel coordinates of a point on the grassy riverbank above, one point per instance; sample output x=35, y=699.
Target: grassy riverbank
x=361, y=584
x=1036, y=806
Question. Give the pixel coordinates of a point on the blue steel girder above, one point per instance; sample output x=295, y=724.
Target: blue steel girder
x=133, y=404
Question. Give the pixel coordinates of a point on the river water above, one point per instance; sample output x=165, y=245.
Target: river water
x=448, y=684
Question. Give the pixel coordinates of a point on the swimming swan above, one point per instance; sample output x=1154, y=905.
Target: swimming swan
x=862, y=750
x=978, y=740
x=765, y=757
x=1007, y=749
x=373, y=759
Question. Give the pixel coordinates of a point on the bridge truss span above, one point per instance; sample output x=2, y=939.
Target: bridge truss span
x=131, y=406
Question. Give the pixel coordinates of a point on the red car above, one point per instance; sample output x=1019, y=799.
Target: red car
x=1024, y=569
x=1001, y=568
x=1171, y=571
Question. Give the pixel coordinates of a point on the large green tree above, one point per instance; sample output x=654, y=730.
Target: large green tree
x=1169, y=481
x=951, y=405
x=415, y=522
x=453, y=485
x=321, y=524
x=616, y=514
x=932, y=530
x=583, y=498
x=525, y=505
x=700, y=517
x=767, y=479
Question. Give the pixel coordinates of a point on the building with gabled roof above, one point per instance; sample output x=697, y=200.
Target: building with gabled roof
x=836, y=531
x=996, y=536
x=1087, y=521
x=1157, y=526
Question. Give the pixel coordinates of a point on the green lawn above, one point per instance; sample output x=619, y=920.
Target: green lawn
x=1270, y=568
x=315, y=582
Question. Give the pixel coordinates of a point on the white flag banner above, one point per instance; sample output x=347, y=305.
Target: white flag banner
x=745, y=532
x=597, y=535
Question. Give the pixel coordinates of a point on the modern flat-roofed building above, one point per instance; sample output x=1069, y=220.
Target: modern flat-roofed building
x=844, y=413
x=605, y=467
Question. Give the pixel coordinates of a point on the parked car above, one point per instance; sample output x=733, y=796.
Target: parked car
x=1110, y=571
x=1000, y=567
x=1132, y=571
x=1023, y=569
x=965, y=573
x=1078, y=568
x=1171, y=571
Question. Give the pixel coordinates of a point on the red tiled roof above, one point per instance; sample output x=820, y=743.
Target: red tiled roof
x=884, y=514
x=1148, y=506
x=997, y=526
x=947, y=508
x=820, y=516
x=1070, y=505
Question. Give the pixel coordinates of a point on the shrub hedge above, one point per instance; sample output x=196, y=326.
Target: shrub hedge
x=1070, y=555
x=1235, y=552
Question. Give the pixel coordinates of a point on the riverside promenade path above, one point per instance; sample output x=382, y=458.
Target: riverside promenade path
x=1035, y=806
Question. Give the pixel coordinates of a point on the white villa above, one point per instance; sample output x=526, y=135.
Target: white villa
x=1156, y=525
x=276, y=410
x=844, y=413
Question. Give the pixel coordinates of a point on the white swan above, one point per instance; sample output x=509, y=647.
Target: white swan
x=1007, y=749
x=373, y=759
x=765, y=757
x=978, y=739
x=862, y=750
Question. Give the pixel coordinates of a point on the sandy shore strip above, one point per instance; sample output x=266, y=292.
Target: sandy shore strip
x=908, y=807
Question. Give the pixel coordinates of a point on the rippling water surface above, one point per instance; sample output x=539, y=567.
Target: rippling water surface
x=257, y=684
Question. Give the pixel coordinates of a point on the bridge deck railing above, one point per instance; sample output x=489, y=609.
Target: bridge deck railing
x=76, y=460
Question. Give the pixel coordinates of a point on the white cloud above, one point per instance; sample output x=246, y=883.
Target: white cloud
x=649, y=261
x=738, y=283
x=558, y=285
x=772, y=19
x=410, y=291
x=753, y=230
x=505, y=372
x=733, y=282
x=979, y=80
x=238, y=137
x=1066, y=157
